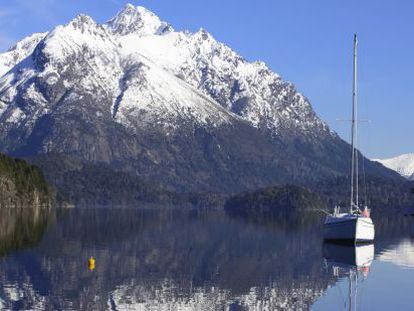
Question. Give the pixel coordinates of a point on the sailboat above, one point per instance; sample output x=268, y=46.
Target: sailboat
x=355, y=225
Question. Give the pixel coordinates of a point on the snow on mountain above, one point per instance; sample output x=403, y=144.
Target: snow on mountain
x=250, y=90
x=403, y=164
x=185, y=74
x=85, y=57
x=19, y=52
x=139, y=21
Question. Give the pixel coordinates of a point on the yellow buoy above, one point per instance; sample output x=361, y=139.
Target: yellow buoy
x=91, y=263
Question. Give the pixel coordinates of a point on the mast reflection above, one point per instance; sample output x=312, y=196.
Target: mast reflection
x=353, y=261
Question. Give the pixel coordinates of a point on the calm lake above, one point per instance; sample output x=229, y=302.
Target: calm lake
x=188, y=260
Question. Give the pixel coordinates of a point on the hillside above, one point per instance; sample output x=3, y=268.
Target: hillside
x=273, y=201
x=87, y=184
x=22, y=184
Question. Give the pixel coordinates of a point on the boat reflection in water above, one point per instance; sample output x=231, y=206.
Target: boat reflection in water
x=347, y=256
x=351, y=261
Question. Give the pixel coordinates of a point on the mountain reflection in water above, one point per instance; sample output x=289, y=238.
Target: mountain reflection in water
x=165, y=260
x=22, y=228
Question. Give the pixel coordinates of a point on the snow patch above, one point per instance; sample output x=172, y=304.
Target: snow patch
x=16, y=115
x=33, y=94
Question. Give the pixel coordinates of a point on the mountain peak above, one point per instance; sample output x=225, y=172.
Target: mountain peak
x=81, y=20
x=402, y=164
x=137, y=20
x=204, y=34
x=129, y=6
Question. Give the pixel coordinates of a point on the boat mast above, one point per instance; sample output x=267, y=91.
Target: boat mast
x=354, y=135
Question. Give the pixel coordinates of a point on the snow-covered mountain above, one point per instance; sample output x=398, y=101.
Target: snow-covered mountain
x=83, y=59
x=168, y=105
x=403, y=164
x=112, y=60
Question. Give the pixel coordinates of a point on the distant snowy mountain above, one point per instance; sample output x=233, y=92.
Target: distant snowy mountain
x=172, y=106
x=403, y=164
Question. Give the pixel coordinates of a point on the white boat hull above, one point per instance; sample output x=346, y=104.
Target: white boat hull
x=349, y=228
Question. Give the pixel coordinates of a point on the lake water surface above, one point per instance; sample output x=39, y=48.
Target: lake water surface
x=188, y=260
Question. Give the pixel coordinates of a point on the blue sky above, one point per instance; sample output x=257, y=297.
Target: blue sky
x=307, y=42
